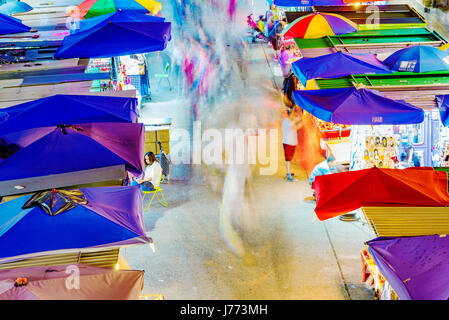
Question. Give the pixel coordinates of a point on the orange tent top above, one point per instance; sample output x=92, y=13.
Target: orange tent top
x=344, y=192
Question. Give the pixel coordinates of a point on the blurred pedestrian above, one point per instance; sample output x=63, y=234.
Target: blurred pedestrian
x=285, y=60
x=290, y=127
x=327, y=166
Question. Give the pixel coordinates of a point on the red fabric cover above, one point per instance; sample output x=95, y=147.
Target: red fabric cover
x=340, y=193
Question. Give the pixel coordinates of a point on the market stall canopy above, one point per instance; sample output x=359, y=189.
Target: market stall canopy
x=11, y=25
x=418, y=59
x=357, y=107
x=319, y=25
x=336, y=65
x=303, y=3
x=119, y=16
x=343, y=192
x=80, y=219
x=50, y=283
x=69, y=148
x=93, y=8
x=443, y=107
x=417, y=268
x=14, y=7
x=116, y=37
x=67, y=109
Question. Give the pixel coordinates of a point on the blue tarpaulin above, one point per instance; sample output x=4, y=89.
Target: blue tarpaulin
x=356, y=107
x=116, y=36
x=67, y=109
x=11, y=25
x=336, y=65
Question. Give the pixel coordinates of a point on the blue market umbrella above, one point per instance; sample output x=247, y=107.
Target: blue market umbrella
x=64, y=221
x=357, y=107
x=67, y=109
x=116, y=36
x=336, y=65
x=118, y=16
x=11, y=25
x=14, y=7
x=418, y=59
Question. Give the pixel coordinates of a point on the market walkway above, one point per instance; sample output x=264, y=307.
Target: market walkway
x=291, y=256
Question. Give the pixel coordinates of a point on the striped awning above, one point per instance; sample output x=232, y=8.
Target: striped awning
x=407, y=221
x=101, y=258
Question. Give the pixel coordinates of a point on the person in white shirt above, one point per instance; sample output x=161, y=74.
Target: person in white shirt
x=151, y=177
x=290, y=127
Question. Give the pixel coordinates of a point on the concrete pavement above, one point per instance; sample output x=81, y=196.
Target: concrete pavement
x=289, y=256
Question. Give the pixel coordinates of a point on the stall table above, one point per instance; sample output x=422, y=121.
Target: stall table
x=390, y=16
x=369, y=41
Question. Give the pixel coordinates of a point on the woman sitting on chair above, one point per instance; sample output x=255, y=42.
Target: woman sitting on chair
x=152, y=174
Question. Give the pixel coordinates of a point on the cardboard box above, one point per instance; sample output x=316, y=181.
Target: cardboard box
x=163, y=135
x=165, y=147
x=150, y=136
x=151, y=146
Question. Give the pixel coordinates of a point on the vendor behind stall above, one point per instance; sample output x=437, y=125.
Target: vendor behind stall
x=328, y=166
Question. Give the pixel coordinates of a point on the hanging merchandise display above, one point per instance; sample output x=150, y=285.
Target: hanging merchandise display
x=374, y=146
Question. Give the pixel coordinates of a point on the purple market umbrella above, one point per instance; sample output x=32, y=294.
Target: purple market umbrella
x=336, y=65
x=357, y=107
x=417, y=268
x=101, y=217
x=61, y=149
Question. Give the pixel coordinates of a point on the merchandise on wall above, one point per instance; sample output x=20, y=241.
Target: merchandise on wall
x=374, y=146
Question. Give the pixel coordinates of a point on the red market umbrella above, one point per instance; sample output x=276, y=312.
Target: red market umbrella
x=340, y=193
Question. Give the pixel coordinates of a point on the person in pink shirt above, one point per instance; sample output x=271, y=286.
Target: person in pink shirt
x=286, y=55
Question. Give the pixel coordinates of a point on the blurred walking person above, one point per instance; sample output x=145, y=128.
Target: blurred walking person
x=290, y=127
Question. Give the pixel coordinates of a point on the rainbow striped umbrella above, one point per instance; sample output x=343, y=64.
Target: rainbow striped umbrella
x=319, y=25
x=93, y=8
x=444, y=47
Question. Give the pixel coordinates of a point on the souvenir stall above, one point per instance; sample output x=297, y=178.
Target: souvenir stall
x=373, y=278
x=101, y=65
x=372, y=141
x=335, y=139
x=400, y=146
x=374, y=146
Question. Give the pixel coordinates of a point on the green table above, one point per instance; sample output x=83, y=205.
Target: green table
x=390, y=16
x=389, y=81
x=366, y=38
